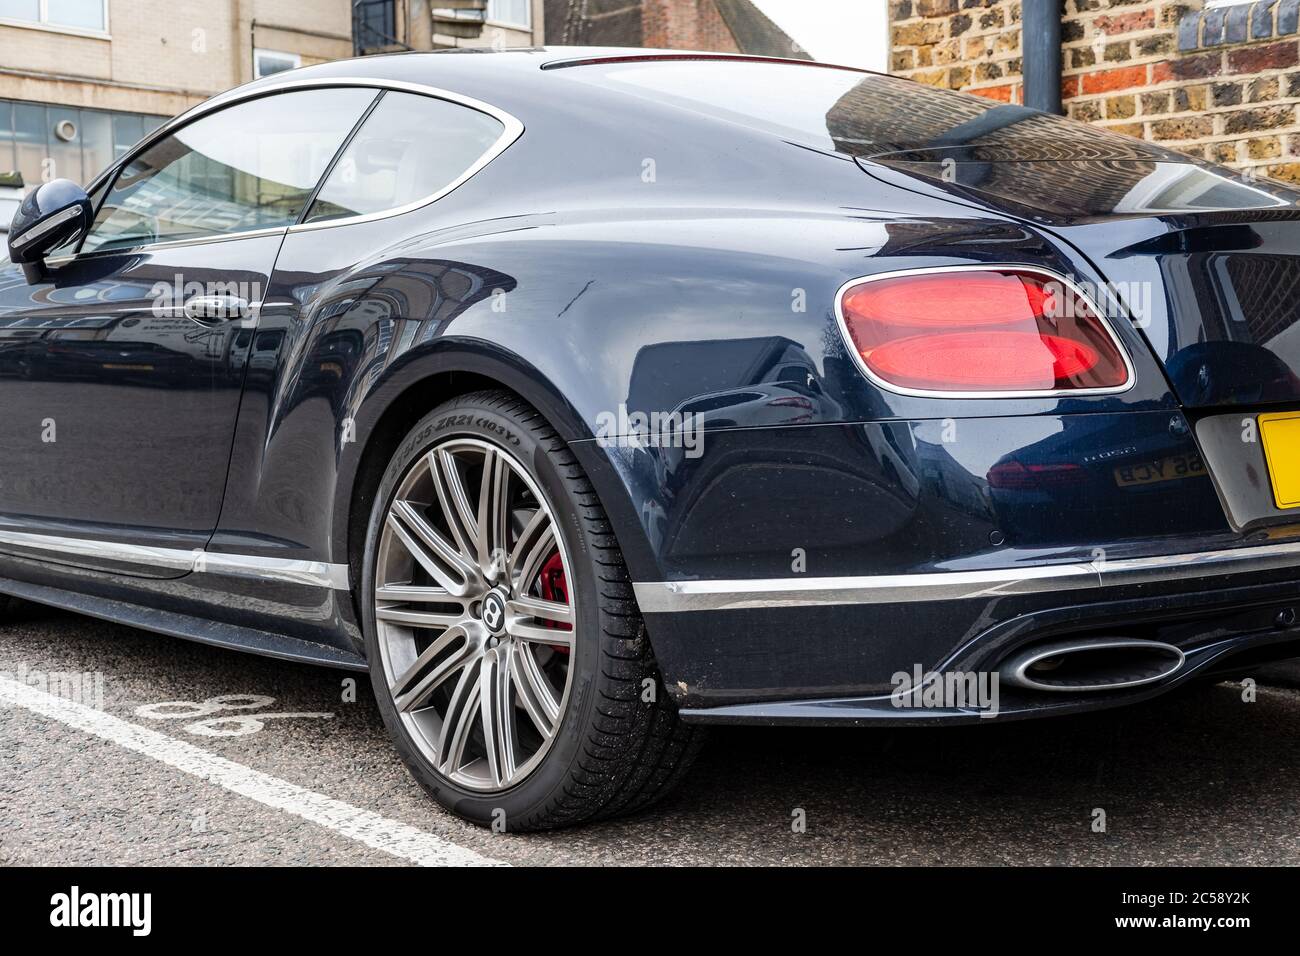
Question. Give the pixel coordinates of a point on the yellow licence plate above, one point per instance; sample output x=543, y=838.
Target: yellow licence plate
x=1280, y=433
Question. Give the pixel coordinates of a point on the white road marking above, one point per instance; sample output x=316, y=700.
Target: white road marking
x=243, y=718
x=375, y=831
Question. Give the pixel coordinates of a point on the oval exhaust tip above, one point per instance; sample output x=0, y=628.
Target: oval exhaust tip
x=1095, y=664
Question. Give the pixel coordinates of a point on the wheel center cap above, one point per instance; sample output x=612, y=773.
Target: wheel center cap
x=494, y=612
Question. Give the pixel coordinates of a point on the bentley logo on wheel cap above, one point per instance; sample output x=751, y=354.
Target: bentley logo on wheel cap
x=494, y=612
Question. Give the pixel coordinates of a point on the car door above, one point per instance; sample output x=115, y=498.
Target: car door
x=121, y=371
x=330, y=295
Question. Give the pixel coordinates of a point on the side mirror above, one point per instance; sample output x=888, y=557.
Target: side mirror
x=50, y=215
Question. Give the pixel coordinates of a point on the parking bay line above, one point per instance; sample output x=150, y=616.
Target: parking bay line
x=375, y=831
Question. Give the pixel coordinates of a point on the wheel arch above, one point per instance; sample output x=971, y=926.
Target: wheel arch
x=400, y=400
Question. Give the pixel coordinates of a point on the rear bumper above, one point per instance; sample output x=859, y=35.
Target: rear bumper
x=825, y=653
x=807, y=565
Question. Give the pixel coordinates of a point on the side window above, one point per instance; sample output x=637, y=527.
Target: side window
x=409, y=148
x=250, y=166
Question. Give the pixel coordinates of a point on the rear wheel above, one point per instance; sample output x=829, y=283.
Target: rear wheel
x=507, y=654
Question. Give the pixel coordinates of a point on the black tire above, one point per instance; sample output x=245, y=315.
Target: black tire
x=614, y=752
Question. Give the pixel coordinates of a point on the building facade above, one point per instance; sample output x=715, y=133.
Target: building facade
x=1216, y=79
x=82, y=80
x=718, y=26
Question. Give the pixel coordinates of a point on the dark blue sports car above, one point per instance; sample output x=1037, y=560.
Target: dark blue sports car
x=585, y=397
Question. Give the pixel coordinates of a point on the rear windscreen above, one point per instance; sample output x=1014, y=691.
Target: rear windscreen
x=1062, y=191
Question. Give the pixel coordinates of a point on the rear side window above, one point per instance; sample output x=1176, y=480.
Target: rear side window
x=409, y=149
x=250, y=166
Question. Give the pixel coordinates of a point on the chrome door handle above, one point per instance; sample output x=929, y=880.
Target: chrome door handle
x=216, y=308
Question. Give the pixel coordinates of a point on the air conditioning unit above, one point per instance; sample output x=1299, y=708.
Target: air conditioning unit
x=462, y=19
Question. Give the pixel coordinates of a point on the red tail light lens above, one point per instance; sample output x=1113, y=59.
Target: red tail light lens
x=981, y=330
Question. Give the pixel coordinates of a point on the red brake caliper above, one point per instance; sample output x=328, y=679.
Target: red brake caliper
x=555, y=588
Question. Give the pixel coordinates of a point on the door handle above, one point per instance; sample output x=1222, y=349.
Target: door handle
x=208, y=309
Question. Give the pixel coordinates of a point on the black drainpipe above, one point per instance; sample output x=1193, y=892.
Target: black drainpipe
x=1041, y=51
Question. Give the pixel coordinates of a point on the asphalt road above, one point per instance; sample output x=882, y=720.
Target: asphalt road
x=1202, y=777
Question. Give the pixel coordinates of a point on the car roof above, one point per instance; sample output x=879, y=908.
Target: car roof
x=527, y=59
x=504, y=81
x=517, y=80
x=489, y=74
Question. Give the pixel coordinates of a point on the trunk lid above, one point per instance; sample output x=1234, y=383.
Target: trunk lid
x=1207, y=263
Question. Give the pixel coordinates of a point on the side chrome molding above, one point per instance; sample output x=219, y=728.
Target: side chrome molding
x=666, y=597
x=663, y=597
x=310, y=573
x=318, y=574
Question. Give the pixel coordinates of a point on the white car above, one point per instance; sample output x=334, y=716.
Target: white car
x=11, y=194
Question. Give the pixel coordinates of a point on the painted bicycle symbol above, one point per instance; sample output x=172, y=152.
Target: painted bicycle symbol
x=237, y=724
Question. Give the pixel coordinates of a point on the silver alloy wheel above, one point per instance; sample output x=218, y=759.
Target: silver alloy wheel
x=474, y=643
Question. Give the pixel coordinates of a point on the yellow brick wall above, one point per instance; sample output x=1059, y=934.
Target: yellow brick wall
x=1220, y=83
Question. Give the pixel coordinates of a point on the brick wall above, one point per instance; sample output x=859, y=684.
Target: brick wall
x=1222, y=83
x=685, y=25
x=959, y=44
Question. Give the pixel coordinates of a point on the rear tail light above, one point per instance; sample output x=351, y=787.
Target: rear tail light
x=981, y=332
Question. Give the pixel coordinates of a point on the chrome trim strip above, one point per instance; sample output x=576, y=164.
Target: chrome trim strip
x=1199, y=564
x=40, y=229
x=169, y=244
x=662, y=597
x=174, y=559
x=312, y=573
x=668, y=597
x=1129, y=381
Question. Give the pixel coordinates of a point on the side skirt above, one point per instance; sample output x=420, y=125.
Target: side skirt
x=188, y=627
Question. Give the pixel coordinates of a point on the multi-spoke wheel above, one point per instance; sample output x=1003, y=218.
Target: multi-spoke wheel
x=506, y=652
x=474, y=616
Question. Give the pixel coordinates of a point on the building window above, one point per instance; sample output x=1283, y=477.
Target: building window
x=374, y=24
x=48, y=142
x=515, y=13
x=268, y=62
x=90, y=16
